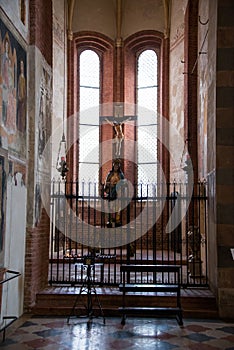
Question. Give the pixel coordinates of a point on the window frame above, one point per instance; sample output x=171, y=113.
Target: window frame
x=134, y=46
x=87, y=124
x=104, y=47
x=156, y=121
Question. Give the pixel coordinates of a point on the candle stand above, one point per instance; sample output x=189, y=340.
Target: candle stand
x=89, y=289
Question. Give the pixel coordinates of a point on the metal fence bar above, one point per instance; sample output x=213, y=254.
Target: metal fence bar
x=13, y=274
x=74, y=205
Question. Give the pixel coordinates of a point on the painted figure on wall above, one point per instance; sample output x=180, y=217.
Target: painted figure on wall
x=44, y=112
x=5, y=79
x=11, y=106
x=13, y=91
x=8, y=73
x=41, y=125
x=22, y=99
x=37, y=204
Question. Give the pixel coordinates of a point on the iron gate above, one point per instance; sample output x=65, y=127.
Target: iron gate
x=80, y=228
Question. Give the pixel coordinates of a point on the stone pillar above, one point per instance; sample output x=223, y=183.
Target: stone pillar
x=39, y=123
x=225, y=157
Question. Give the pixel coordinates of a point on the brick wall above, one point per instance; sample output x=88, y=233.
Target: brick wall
x=41, y=27
x=36, y=260
x=225, y=157
x=118, y=72
x=37, y=236
x=103, y=46
x=133, y=45
x=190, y=76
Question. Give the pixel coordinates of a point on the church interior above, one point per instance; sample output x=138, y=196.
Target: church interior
x=116, y=155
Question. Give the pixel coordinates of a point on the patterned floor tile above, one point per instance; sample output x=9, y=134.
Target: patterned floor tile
x=137, y=334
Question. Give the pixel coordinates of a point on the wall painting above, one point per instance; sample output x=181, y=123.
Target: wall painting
x=13, y=92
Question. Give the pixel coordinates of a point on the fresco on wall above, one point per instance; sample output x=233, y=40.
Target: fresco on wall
x=37, y=204
x=44, y=120
x=13, y=92
x=44, y=133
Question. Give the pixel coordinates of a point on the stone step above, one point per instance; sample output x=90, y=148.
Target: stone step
x=56, y=301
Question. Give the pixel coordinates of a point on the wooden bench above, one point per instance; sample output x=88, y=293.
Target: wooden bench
x=130, y=283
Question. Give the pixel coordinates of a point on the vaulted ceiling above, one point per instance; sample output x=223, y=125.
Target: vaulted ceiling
x=118, y=18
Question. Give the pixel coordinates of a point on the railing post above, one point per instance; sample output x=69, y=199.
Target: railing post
x=154, y=246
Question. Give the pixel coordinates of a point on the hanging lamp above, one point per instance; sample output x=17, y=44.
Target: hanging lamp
x=61, y=160
x=61, y=165
x=185, y=161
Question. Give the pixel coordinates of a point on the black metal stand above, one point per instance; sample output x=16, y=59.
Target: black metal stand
x=88, y=288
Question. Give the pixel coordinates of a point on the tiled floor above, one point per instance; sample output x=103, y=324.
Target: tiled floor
x=138, y=333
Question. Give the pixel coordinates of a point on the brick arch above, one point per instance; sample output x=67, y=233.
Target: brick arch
x=104, y=47
x=143, y=39
x=133, y=46
x=93, y=40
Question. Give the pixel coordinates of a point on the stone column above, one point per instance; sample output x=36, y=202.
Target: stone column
x=225, y=157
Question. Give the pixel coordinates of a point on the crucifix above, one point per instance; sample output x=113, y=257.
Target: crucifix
x=118, y=122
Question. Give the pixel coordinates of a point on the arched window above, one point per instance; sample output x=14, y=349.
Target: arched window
x=89, y=100
x=93, y=92
x=147, y=105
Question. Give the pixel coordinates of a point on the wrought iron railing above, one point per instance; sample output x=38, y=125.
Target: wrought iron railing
x=166, y=225
x=8, y=320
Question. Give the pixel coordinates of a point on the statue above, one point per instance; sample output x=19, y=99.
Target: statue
x=112, y=191
x=194, y=242
x=194, y=246
x=119, y=135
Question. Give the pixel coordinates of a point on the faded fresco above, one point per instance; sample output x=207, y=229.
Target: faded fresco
x=44, y=119
x=13, y=92
x=44, y=133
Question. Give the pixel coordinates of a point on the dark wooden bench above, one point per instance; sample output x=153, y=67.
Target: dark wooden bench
x=130, y=283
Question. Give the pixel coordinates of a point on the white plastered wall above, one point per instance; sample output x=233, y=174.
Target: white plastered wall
x=14, y=246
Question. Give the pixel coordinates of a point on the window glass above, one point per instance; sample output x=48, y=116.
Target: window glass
x=89, y=89
x=147, y=91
